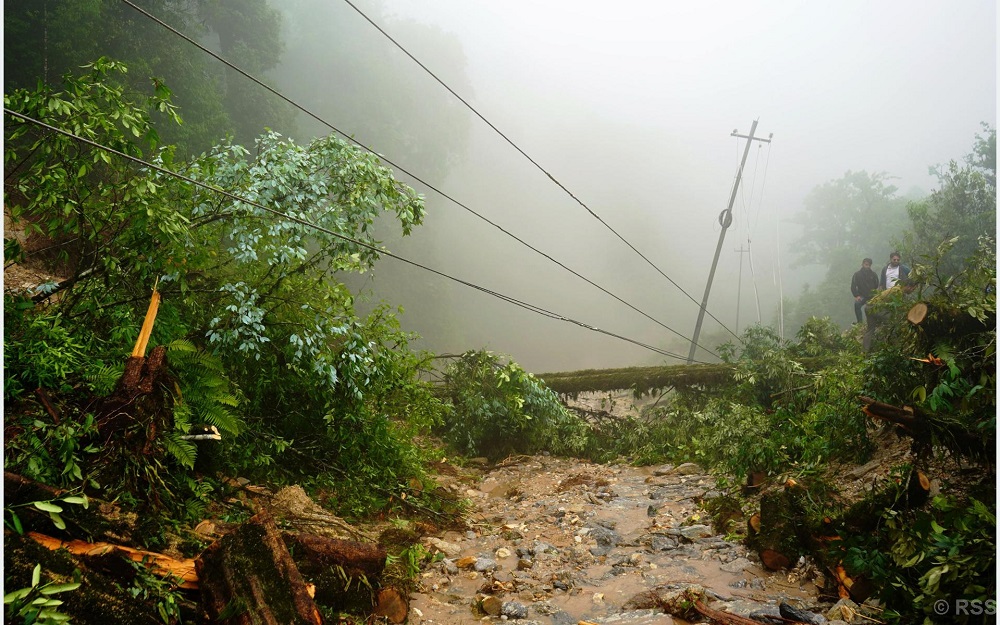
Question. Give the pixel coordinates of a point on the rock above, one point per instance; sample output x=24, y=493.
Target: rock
x=766, y=614
x=662, y=543
x=845, y=609
x=514, y=609
x=688, y=468
x=797, y=614
x=450, y=550
x=606, y=540
x=666, y=469
x=491, y=605
x=736, y=566
x=482, y=565
x=692, y=532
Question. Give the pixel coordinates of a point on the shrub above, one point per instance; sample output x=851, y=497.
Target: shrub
x=498, y=408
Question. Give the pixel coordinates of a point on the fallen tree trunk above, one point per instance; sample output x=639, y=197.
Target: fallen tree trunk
x=158, y=563
x=248, y=577
x=346, y=573
x=928, y=430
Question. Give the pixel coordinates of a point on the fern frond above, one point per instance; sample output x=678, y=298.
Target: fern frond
x=102, y=380
x=183, y=451
x=181, y=345
x=220, y=417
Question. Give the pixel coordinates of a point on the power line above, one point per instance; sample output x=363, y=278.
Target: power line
x=303, y=222
x=535, y=163
x=420, y=180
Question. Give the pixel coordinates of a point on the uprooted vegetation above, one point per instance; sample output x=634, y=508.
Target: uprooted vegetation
x=257, y=338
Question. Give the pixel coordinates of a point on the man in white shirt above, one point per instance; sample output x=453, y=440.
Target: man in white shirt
x=893, y=272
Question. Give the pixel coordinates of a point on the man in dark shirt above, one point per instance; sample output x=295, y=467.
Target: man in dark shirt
x=864, y=282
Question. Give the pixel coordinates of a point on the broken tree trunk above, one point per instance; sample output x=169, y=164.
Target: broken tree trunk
x=248, y=577
x=158, y=563
x=139, y=379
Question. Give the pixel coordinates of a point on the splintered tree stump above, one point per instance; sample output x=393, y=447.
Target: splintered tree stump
x=248, y=577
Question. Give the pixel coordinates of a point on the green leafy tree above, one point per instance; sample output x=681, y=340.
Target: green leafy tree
x=964, y=206
x=47, y=39
x=254, y=281
x=497, y=408
x=843, y=221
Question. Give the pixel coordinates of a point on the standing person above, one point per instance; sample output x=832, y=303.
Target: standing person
x=863, y=285
x=893, y=272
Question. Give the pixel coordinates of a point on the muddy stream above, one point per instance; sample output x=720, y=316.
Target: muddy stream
x=554, y=541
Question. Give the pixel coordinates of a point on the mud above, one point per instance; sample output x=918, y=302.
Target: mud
x=554, y=541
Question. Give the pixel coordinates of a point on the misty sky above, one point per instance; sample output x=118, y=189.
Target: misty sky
x=630, y=105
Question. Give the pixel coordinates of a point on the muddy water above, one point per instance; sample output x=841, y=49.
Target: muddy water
x=559, y=542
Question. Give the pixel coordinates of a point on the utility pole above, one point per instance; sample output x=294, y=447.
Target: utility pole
x=739, y=287
x=725, y=220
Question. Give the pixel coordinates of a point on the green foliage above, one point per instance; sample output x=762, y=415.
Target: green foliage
x=946, y=553
x=775, y=417
x=52, y=453
x=497, y=408
x=36, y=603
x=820, y=336
x=962, y=208
x=162, y=592
x=48, y=506
x=39, y=351
x=286, y=366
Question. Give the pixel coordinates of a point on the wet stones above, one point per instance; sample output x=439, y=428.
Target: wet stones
x=607, y=540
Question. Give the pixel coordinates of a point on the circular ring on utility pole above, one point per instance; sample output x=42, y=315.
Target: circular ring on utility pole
x=726, y=218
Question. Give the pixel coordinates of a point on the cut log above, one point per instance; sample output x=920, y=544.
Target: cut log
x=248, y=577
x=774, y=560
x=346, y=572
x=928, y=429
x=354, y=558
x=393, y=605
x=917, y=313
x=100, y=599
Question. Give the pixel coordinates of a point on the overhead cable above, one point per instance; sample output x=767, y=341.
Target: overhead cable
x=414, y=176
x=535, y=163
x=303, y=222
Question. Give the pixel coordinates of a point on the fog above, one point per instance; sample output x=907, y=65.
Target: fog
x=630, y=106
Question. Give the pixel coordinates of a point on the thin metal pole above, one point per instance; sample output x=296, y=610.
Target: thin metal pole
x=739, y=287
x=725, y=219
